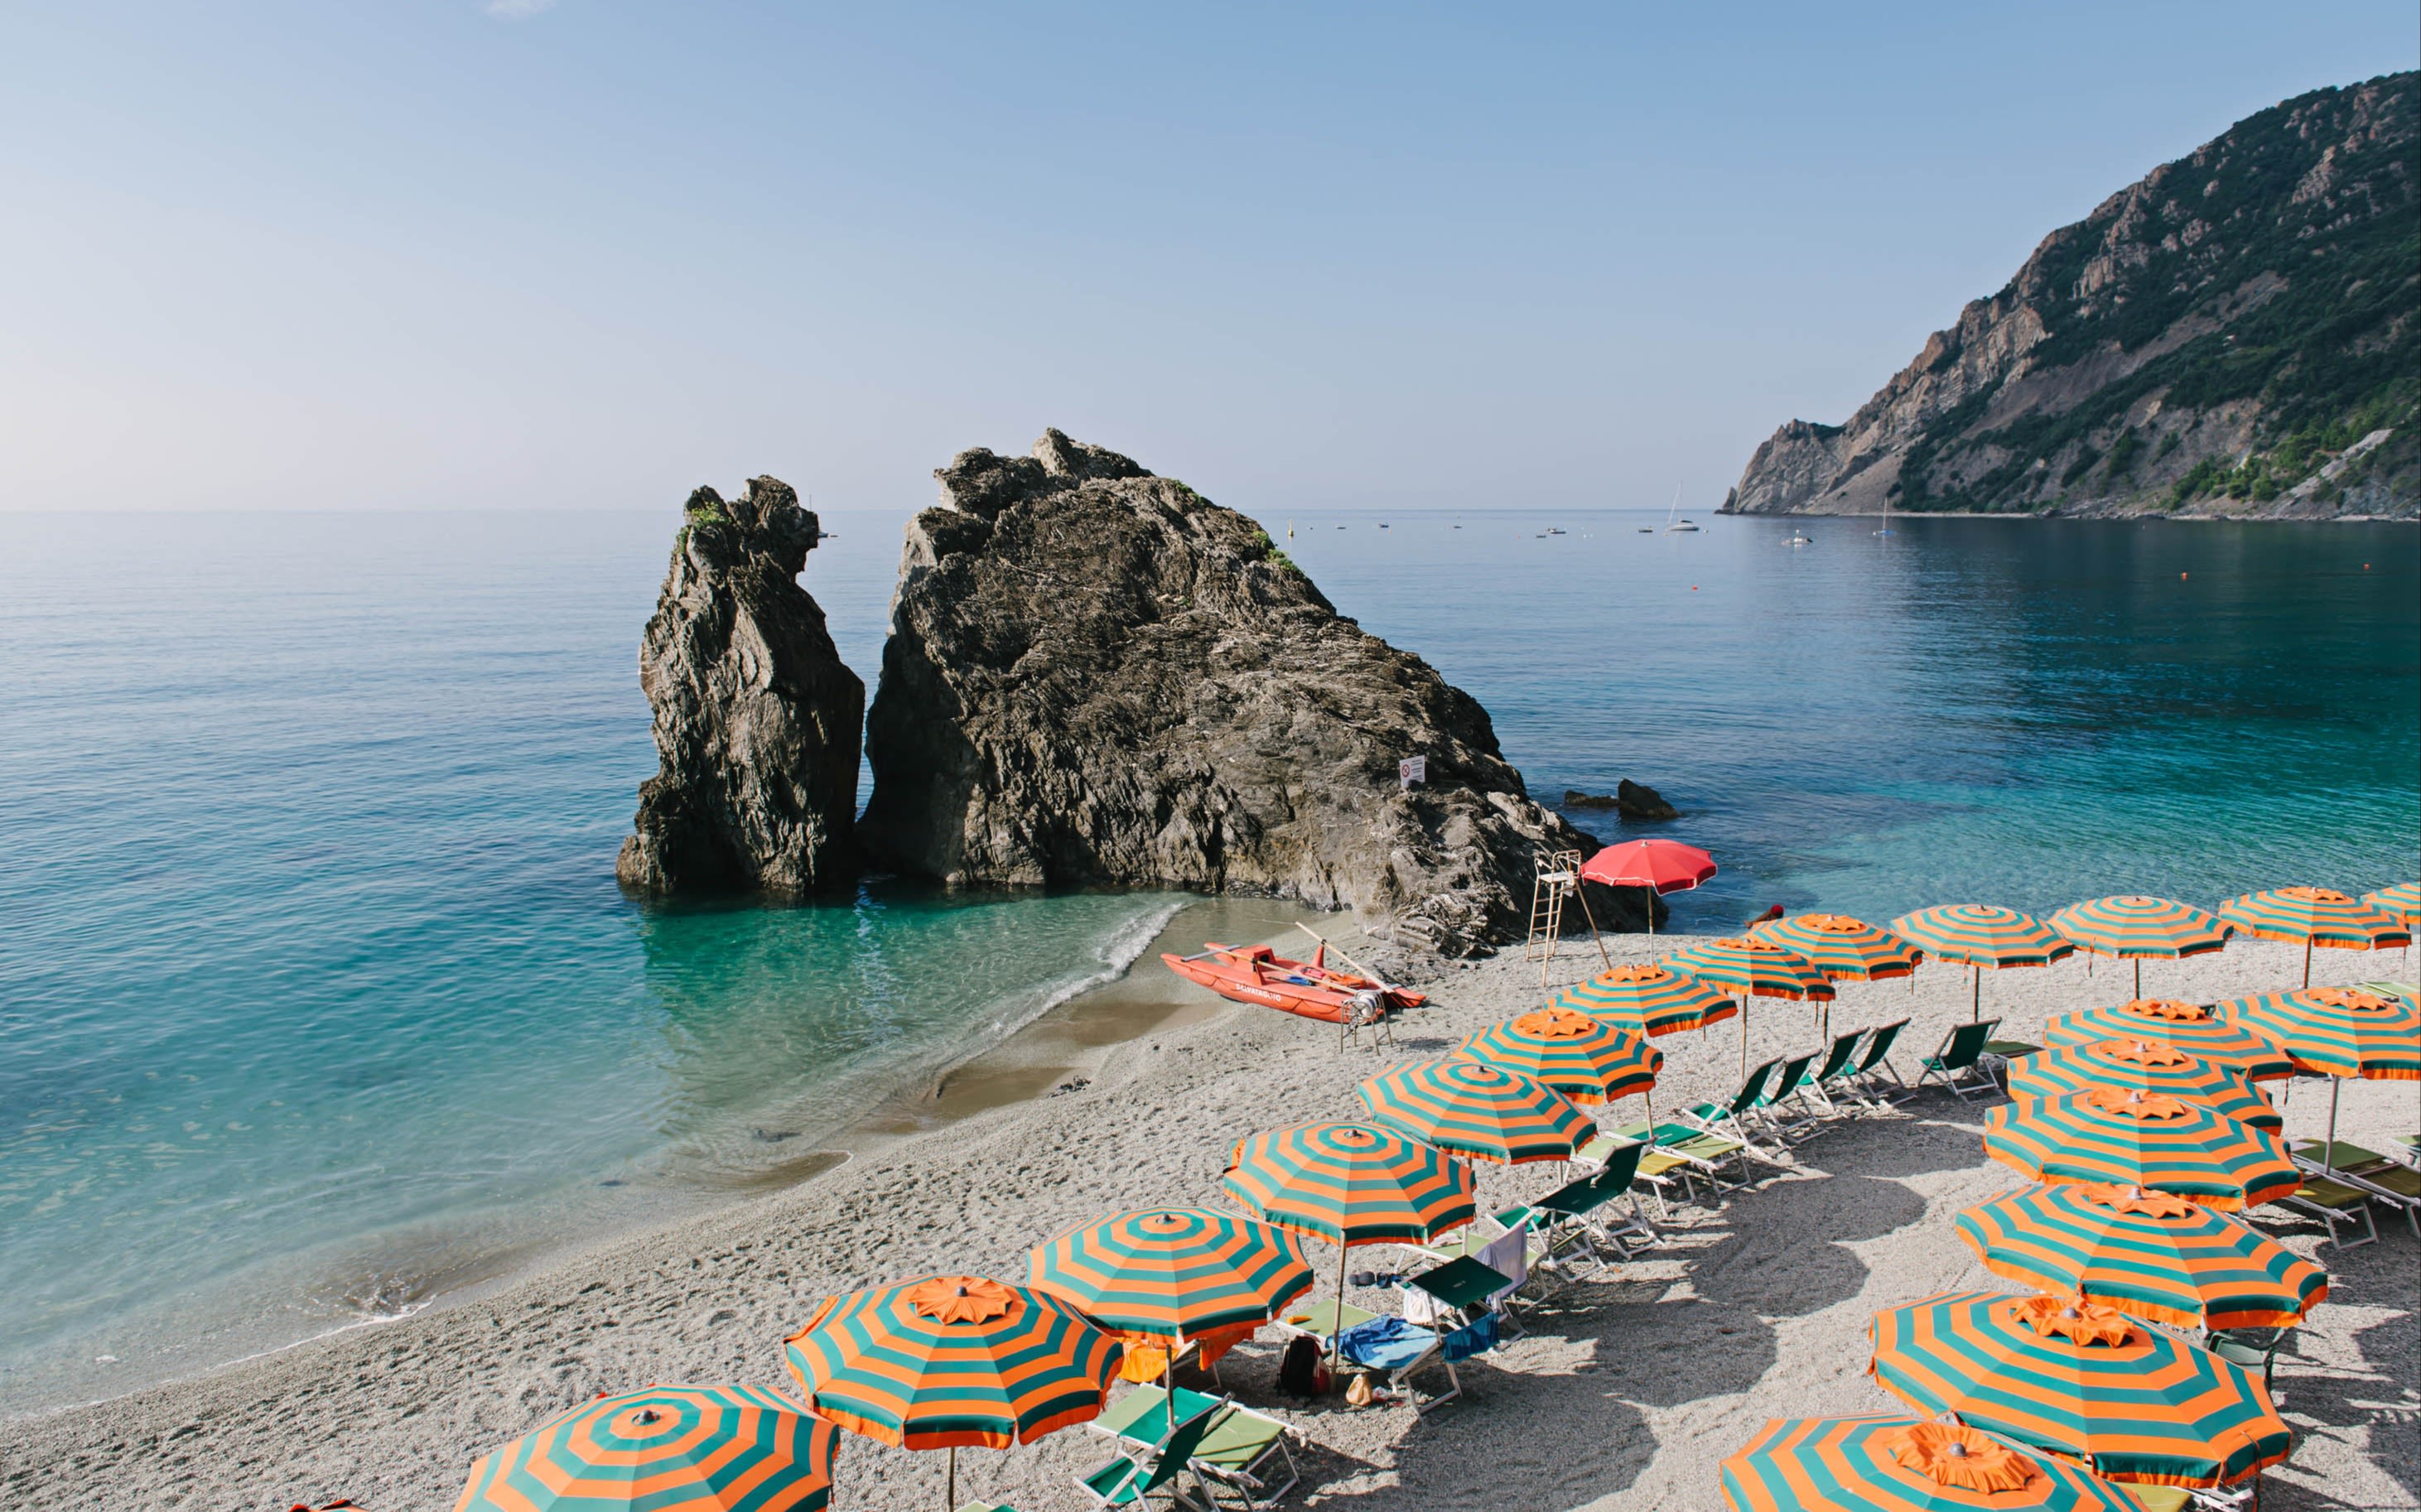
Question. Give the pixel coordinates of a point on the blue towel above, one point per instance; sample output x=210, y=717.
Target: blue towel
x=1470, y=1339
x=1385, y=1342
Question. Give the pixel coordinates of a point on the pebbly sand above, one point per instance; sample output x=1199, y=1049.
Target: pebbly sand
x=1624, y=1395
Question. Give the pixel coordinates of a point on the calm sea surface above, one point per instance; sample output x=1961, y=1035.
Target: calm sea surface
x=316, y=994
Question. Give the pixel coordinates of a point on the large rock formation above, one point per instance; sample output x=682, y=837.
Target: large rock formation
x=2240, y=332
x=1097, y=676
x=757, y=721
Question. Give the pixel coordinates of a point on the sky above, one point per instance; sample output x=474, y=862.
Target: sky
x=589, y=254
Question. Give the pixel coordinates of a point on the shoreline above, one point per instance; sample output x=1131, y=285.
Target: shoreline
x=432, y=1266
x=1757, y=1309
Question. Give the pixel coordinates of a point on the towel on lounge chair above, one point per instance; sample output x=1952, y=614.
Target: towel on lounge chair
x=1473, y=1337
x=1386, y=1344
x=1510, y=1252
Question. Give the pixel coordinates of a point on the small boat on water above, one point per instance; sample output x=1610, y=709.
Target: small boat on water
x=1797, y=539
x=1307, y=988
x=1684, y=527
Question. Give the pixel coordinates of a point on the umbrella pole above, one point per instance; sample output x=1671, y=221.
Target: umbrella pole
x=2329, y=1150
x=1976, y=1013
x=1743, y=1036
x=2139, y=977
x=1651, y=913
x=953, y=1500
x=1336, y=1335
x=2307, y=960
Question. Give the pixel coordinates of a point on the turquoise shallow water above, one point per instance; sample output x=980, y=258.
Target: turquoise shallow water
x=318, y=995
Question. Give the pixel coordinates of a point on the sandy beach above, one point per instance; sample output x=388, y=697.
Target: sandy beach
x=1624, y=1395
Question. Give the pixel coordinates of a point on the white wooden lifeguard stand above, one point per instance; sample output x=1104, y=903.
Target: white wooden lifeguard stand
x=1557, y=879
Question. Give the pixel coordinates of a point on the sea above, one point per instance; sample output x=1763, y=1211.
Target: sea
x=318, y=1001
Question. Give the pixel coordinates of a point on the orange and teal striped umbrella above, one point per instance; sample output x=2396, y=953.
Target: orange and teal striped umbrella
x=2336, y=1030
x=2138, y=928
x=1651, y=1000
x=2141, y=1139
x=1588, y=1060
x=1173, y=1273
x=1351, y=1184
x=2193, y=1027
x=2401, y=902
x=2146, y=1253
x=1752, y=968
x=664, y=1449
x=1478, y=1109
x=2311, y=916
x=2152, y=1064
x=1891, y=1462
x=2072, y=1376
x=1984, y=936
x=950, y=1361
x=1841, y=947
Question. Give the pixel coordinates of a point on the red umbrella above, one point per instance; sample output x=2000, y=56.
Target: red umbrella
x=1661, y=866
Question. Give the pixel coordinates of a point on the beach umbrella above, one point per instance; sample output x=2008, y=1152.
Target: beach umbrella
x=2312, y=917
x=2141, y=1139
x=2138, y=928
x=1892, y=1462
x=1752, y=968
x=1659, y=865
x=2339, y=1033
x=2071, y=1377
x=2150, y=1065
x=2402, y=903
x=1652, y=1000
x=2156, y=1255
x=1983, y=937
x=730, y=1448
x=1478, y=1109
x=1173, y=1274
x=1352, y=1185
x=1587, y=1059
x=943, y=1361
x=2193, y=1027
x=1843, y=948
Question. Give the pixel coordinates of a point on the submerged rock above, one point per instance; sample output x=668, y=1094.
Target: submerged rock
x=757, y=721
x=1574, y=798
x=1097, y=676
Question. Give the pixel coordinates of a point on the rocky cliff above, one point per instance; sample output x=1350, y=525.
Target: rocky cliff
x=1097, y=676
x=757, y=721
x=2234, y=335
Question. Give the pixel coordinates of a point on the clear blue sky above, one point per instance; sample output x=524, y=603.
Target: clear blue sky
x=589, y=254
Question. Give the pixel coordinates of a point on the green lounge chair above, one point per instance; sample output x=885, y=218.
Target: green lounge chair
x=1322, y=1321
x=1730, y=1120
x=1959, y=1061
x=2333, y=1202
x=1875, y=1064
x=1833, y=1084
x=2387, y=1181
x=1575, y=1225
x=1245, y=1451
x=1132, y=1478
x=1681, y=1149
x=1789, y=1084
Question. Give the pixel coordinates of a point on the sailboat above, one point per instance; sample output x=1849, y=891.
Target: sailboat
x=1684, y=527
x=1887, y=529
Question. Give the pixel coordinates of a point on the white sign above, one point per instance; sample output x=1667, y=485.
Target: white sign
x=1412, y=770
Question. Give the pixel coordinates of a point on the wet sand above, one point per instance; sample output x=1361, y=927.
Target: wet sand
x=1625, y=1395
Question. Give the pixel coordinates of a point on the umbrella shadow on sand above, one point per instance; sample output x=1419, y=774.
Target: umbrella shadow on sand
x=2371, y=1395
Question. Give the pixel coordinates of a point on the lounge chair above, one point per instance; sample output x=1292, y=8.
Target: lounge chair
x=1959, y=1059
x=2388, y=1181
x=1576, y=1224
x=2254, y=1349
x=2333, y=1202
x=1834, y=1083
x=2000, y=1053
x=1657, y=1168
x=1133, y=1477
x=1246, y=1452
x=1462, y=1301
x=1686, y=1150
x=1875, y=1064
x=1790, y=1083
x=1730, y=1120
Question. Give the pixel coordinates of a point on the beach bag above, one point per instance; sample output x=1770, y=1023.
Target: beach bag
x=1359, y=1394
x=1300, y=1371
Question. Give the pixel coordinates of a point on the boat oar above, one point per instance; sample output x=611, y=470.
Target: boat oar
x=1384, y=985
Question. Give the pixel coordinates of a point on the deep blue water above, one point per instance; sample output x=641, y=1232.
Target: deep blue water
x=316, y=989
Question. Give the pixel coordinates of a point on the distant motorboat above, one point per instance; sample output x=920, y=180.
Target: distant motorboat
x=1555, y=530
x=1797, y=539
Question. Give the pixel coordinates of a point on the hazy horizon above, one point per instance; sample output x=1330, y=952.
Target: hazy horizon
x=576, y=255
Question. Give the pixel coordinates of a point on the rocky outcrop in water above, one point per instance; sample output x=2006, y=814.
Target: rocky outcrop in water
x=757, y=721
x=2234, y=335
x=1097, y=675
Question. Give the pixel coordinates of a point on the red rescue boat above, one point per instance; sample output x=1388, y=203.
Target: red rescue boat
x=1256, y=973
